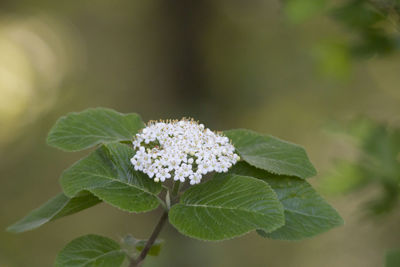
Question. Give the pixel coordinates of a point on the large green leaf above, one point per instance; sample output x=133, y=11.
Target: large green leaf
x=57, y=207
x=306, y=213
x=271, y=154
x=78, y=131
x=393, y=258
x=227, y=207
x=109, y=174
x=91, y=251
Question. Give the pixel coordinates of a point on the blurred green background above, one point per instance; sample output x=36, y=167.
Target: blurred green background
x=286, y=68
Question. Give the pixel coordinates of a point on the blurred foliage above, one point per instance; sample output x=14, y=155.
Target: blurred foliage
x=393, y=258
x=299, y=10
x=333, y=58
x=372, y=28
x=377, y=163
x=368, y=21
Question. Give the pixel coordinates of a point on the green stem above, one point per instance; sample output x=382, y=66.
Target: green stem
x=175, y=189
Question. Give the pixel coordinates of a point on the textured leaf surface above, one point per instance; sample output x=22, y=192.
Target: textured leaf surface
x=78, y=131
x=57, y=207
x=306, y=213
x=91, y=251
x=271, y=154
x=108, y=174
x=228, y=207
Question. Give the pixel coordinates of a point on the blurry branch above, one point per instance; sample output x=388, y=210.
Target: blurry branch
x=185, y=22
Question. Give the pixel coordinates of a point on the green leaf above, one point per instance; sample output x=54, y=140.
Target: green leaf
x=91, y=251
x=306, y=213
x=155, y=248
x=138, y=245
x=109, y=175
x=393, y=258
x=57, y=207
x=78, y=131
x=227, y=207
x=271, y=154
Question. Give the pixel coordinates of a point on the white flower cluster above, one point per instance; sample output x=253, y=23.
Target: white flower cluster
x=181, y=149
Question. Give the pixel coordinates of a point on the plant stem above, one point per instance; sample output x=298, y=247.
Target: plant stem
x=176, y=187
x=139, y=261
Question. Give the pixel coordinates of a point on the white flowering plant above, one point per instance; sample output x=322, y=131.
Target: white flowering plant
x=209, y=185
x=183, y=149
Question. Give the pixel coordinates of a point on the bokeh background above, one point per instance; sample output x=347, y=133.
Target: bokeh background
x=286, y=68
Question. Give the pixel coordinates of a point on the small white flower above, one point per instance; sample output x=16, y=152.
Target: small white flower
x=182, y=150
